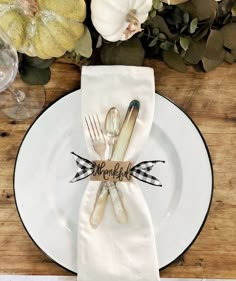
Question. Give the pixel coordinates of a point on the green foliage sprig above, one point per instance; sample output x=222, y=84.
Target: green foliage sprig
x=201, y=33
x=197, y=32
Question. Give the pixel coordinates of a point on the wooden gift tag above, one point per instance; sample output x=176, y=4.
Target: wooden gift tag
x=111, y=171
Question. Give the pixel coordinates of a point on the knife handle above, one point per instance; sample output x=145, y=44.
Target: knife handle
x=99, y=206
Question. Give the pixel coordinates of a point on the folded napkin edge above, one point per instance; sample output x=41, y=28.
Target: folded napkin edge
x=115, y=68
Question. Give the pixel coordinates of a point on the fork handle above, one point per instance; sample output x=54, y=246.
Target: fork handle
x=99, y=206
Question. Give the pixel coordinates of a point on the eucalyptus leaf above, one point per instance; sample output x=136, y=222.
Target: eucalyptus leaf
x=189, y=8
x=99, y=42
x=229, y=35
x=83, y=46
x=209, y=64
x=201, y=32
x=37, y=62
x=233, y=52
x=35, y=76
x=157, y=4
x=183, y=28
x=200, y=9
x=166, y=45
x=229, y=57
x=186, y=17
x=162, y=36
x=224, y=7
x=148, y=32
x=182, y=53
x=193, y=25
x=155, y=31
x=195, y=51
x=140, y=34
x=214, y=45
x=130, y=52
x=233, y=11
x=227, y=19
x=174, y=60
x=159, y=22
x=153, y=42
x=205, y=9
x=176, y=50
x=184, y=43
x=153, y=13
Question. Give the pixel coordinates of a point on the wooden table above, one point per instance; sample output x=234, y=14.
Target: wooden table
x=210, y=100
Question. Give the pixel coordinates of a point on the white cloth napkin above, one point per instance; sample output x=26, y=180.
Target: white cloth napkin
x=113, y=251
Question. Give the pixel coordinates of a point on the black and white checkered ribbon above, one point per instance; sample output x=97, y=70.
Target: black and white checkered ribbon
x=139, y=171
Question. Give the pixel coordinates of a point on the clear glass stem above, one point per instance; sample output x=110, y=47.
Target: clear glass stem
x=18, y=95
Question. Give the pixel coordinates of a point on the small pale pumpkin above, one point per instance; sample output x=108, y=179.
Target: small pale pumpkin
x=119, y=20
x=43, y=28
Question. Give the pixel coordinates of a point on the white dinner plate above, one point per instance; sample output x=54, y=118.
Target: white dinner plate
x=48, y=204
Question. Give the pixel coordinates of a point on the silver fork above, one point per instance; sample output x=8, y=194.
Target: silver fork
x=96, y=135
x=99, y=145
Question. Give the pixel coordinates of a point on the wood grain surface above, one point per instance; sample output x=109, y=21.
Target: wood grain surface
x=210, y=100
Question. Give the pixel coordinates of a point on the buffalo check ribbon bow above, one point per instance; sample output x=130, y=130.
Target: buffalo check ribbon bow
x=139, y=171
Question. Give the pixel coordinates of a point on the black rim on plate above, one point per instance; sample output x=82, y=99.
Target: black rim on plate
x=209, y=158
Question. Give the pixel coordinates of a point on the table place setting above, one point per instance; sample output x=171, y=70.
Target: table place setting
x=114, y=182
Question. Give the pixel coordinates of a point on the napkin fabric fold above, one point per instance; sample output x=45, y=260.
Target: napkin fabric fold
x=113, y=251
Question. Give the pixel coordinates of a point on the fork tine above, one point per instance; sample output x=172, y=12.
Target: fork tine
x=100, y=127
x=96, y=134
x=93, y=126
x=91, y=137
x=96, y=128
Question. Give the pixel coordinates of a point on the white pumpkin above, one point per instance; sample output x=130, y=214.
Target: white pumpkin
x=119, y=19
